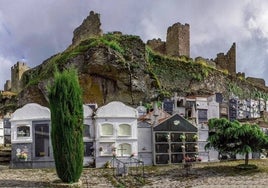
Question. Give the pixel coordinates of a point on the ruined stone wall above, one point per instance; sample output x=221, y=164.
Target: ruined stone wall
x=178, y=40
x=90, y=27
x=228, y=61
x=16, y=73
x=7, y=86
x=157, y=45
x=258, y=81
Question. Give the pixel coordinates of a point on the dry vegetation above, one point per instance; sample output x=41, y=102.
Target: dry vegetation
x=153, y=175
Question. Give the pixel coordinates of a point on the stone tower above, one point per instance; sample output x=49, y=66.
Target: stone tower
x=89, y=28
x=228, y=61
x=178, y=40
x=16, y=73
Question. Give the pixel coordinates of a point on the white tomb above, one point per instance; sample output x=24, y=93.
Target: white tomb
x=116, y=132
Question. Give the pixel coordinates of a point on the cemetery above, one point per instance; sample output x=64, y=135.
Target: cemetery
x=119, y=131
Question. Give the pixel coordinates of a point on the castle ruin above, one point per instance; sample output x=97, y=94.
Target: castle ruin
x=17, y=70
x=90, y=27
x=177, y=41
x=228, y=61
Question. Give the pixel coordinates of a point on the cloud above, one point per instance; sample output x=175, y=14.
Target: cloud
x=35, y=30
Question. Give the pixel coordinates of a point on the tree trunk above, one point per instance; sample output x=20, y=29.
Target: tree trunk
x=246, y=158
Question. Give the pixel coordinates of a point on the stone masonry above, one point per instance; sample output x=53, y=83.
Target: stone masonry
x=89, y=28
x=228, y=61
x=16, y=73
x=157, y=45
x=177, y=41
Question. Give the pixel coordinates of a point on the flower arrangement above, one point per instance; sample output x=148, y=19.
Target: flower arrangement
x=192, y=159
x=182, y=137
x=22, y=155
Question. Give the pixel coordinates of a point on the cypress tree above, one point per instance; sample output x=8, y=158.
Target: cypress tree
x=65, y=98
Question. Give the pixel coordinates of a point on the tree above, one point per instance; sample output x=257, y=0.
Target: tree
x=234, y=138
x=251, y=139
x=220, y=137
x=66, y=107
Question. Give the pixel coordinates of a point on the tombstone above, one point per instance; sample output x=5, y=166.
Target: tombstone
x=30, y=137
x=116, y=132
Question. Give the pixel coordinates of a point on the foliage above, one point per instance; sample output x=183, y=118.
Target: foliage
x=67, y=125
x=234, y=138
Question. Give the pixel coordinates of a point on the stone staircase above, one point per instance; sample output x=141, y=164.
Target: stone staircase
x=5, y=154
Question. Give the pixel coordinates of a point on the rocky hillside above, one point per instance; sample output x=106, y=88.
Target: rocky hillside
x=121, y=67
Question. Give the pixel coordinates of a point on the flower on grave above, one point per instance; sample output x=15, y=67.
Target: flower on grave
x=188, y=159
x=196, y=147
x=182, y=137
x=167, y=136
x=195, y=137
x=22, y=155
x=183, y=146
x=100, y=149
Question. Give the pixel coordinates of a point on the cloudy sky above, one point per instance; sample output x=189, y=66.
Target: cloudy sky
x=34, y=30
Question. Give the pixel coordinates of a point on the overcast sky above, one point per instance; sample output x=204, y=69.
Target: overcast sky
x=32, y=30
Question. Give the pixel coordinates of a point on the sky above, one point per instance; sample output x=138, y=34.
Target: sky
x=34, y=30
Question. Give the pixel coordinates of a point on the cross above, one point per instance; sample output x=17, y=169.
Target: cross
x=122, y=150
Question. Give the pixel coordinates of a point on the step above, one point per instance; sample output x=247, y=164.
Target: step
x=4, y=159
x=5, y=153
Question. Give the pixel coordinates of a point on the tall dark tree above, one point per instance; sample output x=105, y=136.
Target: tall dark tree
x=65, y=98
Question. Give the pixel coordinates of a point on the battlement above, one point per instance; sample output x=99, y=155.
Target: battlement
x=16, y=73
x=19, y=65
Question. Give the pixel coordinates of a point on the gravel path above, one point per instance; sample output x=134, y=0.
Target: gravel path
x=163, y=177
